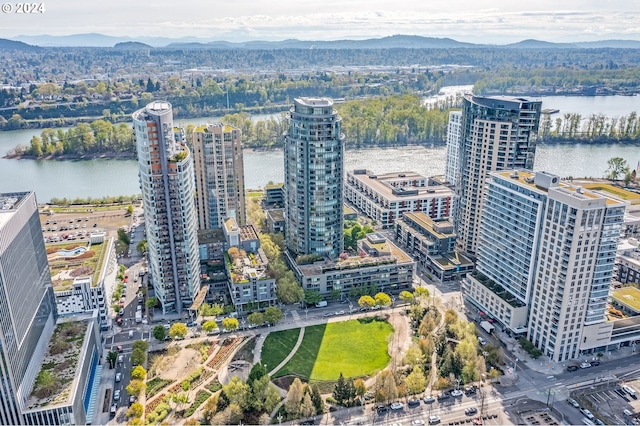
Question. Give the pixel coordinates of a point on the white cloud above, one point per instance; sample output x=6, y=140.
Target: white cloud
x=476, y=21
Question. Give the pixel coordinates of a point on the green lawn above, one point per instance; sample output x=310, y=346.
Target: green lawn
x=277, y=346
x=354, y=348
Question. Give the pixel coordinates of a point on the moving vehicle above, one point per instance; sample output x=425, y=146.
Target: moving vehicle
x=118, y=377
x=487, y=326
x=138, y=317
x=321, y=304
x=470, y=411
x=587, y=413
x=434, y=420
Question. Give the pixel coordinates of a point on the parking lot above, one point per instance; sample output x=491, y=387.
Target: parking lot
x=612, y=402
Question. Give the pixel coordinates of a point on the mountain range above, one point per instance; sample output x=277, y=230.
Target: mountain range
x=396, y=41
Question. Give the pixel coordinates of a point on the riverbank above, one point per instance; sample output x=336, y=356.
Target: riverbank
x=73, y=157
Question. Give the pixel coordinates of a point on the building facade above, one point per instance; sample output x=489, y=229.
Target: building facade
x=381, y=265
x=27, y=304
x=386, y=197
x=219, y=171
x=498, y=133
x=314, y=173
x=165, y=168
x=454, y=142
x=574, y=272
x=432, y=244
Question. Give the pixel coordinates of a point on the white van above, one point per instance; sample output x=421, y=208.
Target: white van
x=629, y=390
x=321, y=304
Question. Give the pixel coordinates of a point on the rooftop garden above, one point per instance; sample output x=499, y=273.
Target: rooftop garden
x=243, y=265
x=70, y=260
x=497, y=289
x=55, y=379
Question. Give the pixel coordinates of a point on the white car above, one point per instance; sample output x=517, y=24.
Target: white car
x=116, y=395
x=587, y=413
x=434, y=420
x=397, y=406
x=585, y=365
x=118, y=377
x=456, y=393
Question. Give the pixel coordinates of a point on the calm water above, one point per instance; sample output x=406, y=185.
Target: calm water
x=104, y=177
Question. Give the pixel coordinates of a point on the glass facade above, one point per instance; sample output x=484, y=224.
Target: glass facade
x=314, y=173
x=27, y=304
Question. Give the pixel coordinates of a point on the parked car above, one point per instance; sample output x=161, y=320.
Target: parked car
x=417, y=422
x=434, y=420
x=132, y=399
x=192, y=324
x=412, y=403
x=572, y=368
x=585, y=365
x=456, y=393
x=116, y=395
x=573, y=402
x=470, y=390
x=118, y=377
x=627, y=412
x=443, y=395
x=429, y=400
x=481, y=341
x=595, y=363
x=382, y=409
x=470, y=411
x=397, y=406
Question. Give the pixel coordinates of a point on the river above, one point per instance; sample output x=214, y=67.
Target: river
x=104, y=177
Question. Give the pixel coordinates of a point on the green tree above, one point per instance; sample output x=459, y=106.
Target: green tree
x=142, y=247
x=294, y=398
x=255, y=318
x=382, y=299
x=112, y=358
x=272, y=314
x=288, y=289
x=209, y=326
x=135, y=411
x=159, y=332
x=311, y=297
x=406, y=296
x=416, y=381
x=340, y=392
x=317, y=400
x=238, y=392
x=366, y=302
x=123, y=237
x=152, y=302
x=617, y=166
x=138, y=373
x=306, y=406
x=230, y=324
x=178, y=331
x=136, y=387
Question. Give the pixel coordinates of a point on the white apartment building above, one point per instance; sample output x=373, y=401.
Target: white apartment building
x=386, y=197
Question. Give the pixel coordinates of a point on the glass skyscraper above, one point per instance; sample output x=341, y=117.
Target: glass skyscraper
x=27, y=304
x=165, y=169
x=314, y=173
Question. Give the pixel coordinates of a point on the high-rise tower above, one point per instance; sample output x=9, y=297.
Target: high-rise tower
x=27, y=304
x=165, y=167
x=219, y=175
x=454, y=142
x=313, y=173
x=498, y=133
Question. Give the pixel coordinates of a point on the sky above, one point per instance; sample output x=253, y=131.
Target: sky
x=477, y=21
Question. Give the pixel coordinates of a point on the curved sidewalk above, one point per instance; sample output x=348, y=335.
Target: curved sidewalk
x=257, y=352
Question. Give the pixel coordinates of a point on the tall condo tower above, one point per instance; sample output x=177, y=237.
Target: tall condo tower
x=498, y=133
x=580, y=232
x=313, y=176
x=219, y=175
x=27, y=303
x=454, y=142
x=165, y=168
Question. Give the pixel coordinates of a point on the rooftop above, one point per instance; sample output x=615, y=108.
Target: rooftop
x=70, y=260
x=9, y=203
x=55, y=381
x=312, y=101
x=400, y=186
x=628, y=296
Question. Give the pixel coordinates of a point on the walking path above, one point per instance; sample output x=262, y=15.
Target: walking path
x=291, y=354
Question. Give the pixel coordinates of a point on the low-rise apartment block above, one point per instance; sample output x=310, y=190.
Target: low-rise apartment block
x=386, y=197
x=380, y=263
x=432, y=244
